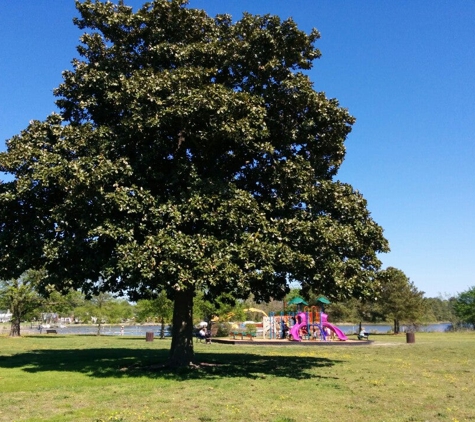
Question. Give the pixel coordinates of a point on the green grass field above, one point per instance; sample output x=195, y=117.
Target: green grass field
x=88, y=378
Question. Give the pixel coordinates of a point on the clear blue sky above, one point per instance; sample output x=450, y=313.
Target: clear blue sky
x=404, y=69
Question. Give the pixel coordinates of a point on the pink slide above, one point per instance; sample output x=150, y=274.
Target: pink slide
x=340, y=334
x=294, y=330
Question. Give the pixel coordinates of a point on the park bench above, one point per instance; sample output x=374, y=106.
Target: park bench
x=51, y=332
x=242, y=334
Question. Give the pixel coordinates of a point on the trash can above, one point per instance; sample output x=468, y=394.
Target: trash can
x=410, y=337
x=149, y=336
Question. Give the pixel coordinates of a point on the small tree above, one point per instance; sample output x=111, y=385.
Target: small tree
x=63, y=303
x=104, y=308
x=464, y=306
x=21, y=298
x=144, y=311
x=441, y=309
x=160, y=308
x=400, y=299
x=225, y=308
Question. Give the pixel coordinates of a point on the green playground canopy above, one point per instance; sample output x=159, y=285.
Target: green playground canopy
x=323, y=300
x=297, y=301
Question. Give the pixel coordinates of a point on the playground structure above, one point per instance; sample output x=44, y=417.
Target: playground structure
x=311, y=323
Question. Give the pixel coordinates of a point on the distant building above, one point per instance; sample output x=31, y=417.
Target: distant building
x=49, y=317
x=5, y=316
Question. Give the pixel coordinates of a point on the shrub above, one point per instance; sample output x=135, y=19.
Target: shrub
x=223, y=329
x=251, y=329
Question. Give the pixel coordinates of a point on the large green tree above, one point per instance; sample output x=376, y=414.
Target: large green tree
x=190, y=153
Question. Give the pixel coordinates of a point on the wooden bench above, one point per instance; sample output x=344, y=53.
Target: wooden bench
x=242, y=334
x=51, y=332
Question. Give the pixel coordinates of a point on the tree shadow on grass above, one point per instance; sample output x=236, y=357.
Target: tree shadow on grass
x=127, y=362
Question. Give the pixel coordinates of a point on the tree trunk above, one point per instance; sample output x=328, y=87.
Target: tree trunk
x=15, y=328
x=396, y=326
x=162, y=328
x=181, y=351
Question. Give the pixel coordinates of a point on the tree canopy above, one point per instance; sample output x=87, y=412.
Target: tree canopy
x=464, y=306
x=190, y=153
x=400, y=298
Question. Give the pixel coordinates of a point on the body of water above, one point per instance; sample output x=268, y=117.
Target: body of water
x=140, y=330
x=111, y=330
x=383, y=329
